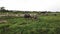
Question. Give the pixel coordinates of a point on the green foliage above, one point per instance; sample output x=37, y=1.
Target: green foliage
x=19, y=25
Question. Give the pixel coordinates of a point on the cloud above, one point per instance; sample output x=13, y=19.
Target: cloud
x=33, y=5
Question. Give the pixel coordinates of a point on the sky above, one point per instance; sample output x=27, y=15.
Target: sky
x=31, y=5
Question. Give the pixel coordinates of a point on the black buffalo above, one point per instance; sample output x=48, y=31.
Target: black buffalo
x=30, y=16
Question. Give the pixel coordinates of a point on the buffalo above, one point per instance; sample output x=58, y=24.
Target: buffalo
x=32, y=16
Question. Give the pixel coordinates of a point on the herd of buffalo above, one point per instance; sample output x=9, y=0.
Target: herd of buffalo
x=35, y=16
x=28, y=15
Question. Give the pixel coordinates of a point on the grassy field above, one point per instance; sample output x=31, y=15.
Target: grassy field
x=43, y=25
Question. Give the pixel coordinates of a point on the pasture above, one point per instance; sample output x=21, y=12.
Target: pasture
x=45, y=24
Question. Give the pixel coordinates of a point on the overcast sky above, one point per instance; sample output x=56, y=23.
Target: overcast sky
x=31, y=5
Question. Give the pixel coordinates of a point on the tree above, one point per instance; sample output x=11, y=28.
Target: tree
x=2, y=9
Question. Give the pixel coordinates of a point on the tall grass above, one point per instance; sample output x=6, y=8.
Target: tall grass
x=18, y=25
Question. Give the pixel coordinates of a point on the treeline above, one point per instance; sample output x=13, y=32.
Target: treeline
x=2, y=9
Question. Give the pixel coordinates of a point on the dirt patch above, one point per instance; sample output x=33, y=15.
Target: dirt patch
x=3, y=21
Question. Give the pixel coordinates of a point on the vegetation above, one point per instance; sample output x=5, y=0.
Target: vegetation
x=46, y=24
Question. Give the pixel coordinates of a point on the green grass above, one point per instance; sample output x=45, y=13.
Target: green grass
x=18, y=25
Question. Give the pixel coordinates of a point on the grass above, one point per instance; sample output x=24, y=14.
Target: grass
x=18, y=25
